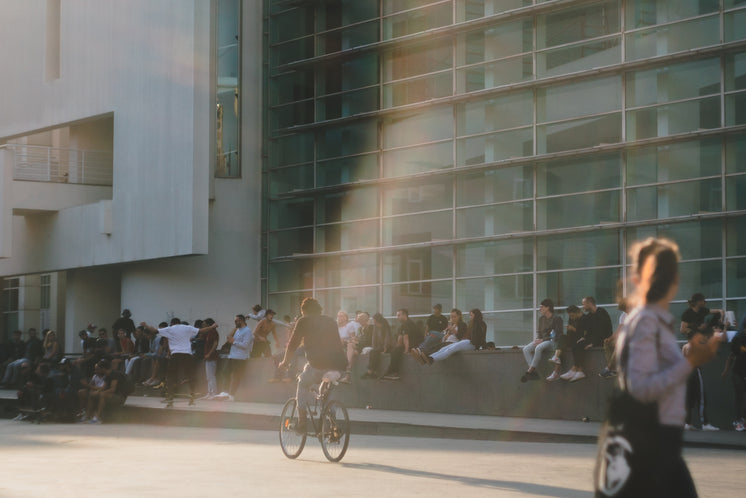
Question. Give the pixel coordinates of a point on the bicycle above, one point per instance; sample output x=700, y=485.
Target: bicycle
x=332, y=427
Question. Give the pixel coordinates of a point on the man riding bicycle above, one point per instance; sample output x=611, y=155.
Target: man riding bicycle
x=324, y=352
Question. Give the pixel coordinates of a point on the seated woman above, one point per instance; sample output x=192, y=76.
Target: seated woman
x=476, y=338
x=577, y=342
x=52, y=351
x=454, y=332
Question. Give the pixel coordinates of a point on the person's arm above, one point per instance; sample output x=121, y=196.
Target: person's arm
x=204, y=330
x=150, y=328
x=243, y=342
x=212, y=349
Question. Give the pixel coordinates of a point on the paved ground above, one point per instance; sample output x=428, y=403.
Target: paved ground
x=146, y=460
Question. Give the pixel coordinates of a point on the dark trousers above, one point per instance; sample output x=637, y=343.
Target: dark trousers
x=396, y=358
x=374, y=360
x=696, y=403
x=261, y=348
x=179, y=362
x=237, y=369
x=739, y=387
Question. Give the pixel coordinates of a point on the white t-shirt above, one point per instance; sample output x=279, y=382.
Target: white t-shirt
x=347, y=331
x=179, y=337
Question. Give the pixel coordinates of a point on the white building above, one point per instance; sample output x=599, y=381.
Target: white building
x=118, y=180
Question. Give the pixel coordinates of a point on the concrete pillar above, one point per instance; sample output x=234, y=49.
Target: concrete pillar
x=91, y=296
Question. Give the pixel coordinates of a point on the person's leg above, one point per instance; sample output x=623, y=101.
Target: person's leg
x=188, y=362
x=739, y=388
x=237, y=373
x=691, y=397
x=374, y=361
x=308, y=378
x=396, y=359
x=528, y=352
x=212, y=382
x=542, y=348
x=443, y=353
x=172, y=376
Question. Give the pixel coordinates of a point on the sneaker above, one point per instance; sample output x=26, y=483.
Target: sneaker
x=95, y=421
x=346, y=379
x=554, y=376
x=738, y=426
x=710, y=427
x=391, y=377
x=605, y=373
x=688, y=427
x=555, y=359
x=568, y=375
x=579, y=375
x=230, y=398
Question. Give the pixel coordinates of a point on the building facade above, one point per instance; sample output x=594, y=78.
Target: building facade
x=491, y=153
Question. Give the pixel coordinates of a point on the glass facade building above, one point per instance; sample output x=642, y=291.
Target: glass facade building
x=492, y=153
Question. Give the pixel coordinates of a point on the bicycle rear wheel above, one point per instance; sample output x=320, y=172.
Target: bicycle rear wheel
x=291, y=442
x=335, y=431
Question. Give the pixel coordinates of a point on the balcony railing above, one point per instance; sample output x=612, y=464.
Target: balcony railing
x=49, y=164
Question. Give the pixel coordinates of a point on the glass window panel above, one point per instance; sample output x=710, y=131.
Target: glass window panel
x=416, y=60
x=289, y=213
x=736, y=245
x=495, y=293
x=671, y=119
x=643, y=13
x=351, y=138
x=418, y=228
x=494, y=147
x=289, y=242
x=292, y=51
x=577, y=210
x=733, y=3
x=570, y=287
x=228, y=76
x=291, y=87
x=421, y=263
x=735, y=154
x=497, y=42
x=291, y=149
x=577, y=23
x=735, y=109
x=661, y=163
x=358, y=269
x=347, y=236
x=512, y=328
x=347, y=170
x=435, y=193
x=347, y=38
x=510, y=111
x=287, y=303
x=678, y=199
x=291, y=275
x=417, y=159
x=393, y=6
x=736, y=275
x=290, y=24
x=735, y=26
x=289, y=179
x=598, y=248
x=578, y=175
x=701, y=276
x=673, y=38
x=348, y=74
x=291, y=115
x=579, y=134
x=696, y=239
x=428, y=126
x=467, y=10
x=417, y=297
x=579, y=57
x=416, y=21
x=348, y=205
x=495, y=220
x=578, y=99
x=677, y=82
x=336, y=13
x=347, y=104
x=496, y=185
x=418, y=90
x=494, y=74
x=735, y=187
x=350, y=300
x=495, y=257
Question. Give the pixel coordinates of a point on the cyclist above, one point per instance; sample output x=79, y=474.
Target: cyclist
x=324, y=352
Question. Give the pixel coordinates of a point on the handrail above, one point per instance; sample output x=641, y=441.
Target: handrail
x=38, y=163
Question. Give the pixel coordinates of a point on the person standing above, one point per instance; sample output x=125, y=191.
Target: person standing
x=124, y=322
x=241, y=340
x=265, y=327
x=211, y=359
x=737, y=360
x=653, y=371
x=179, y=342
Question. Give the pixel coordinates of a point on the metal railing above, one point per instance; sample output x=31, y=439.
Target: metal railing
x=38, y=163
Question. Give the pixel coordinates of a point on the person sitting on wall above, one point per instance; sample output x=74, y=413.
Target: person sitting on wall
x=436, y=326
x=610, y=342
x=409, y=335
x=113, y=393
x=550, y=328
x=381, y=342
x=475, y=339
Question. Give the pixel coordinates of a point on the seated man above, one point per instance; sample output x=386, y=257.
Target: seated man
x=550, y=329
x=436, y=326
x=324, y=352
x=113, y=393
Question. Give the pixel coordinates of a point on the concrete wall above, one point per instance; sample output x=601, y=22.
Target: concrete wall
x=485, y=383
x=147, y=64
x=91, y=296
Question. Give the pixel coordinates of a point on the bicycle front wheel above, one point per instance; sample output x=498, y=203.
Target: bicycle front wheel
x=291, y=442
x=335, y=431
